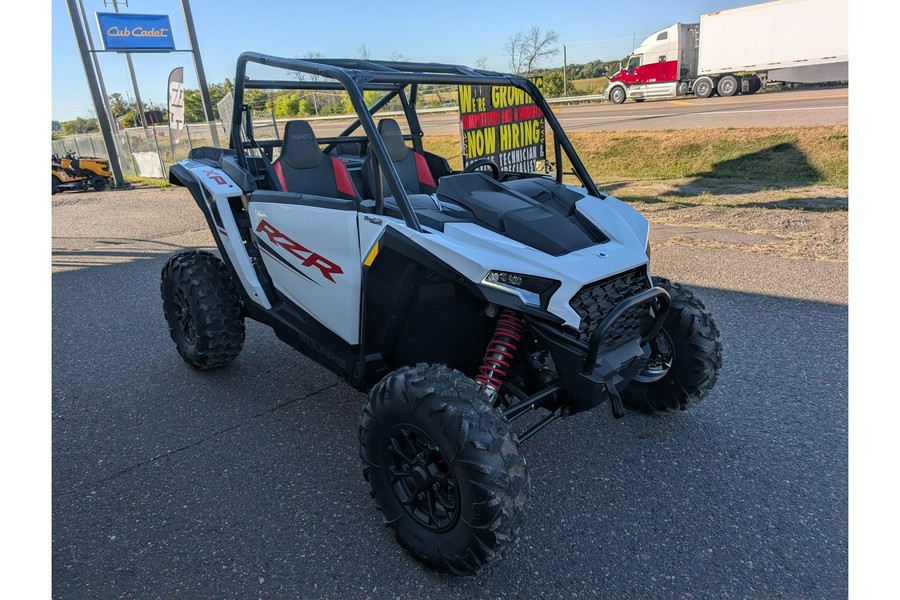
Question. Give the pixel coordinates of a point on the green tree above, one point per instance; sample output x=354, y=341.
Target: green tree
x=553, y=83
x=124, y=111
x=79, y=125
x=193, y=106
x=217, y=91
x=257, y=100
x=286, y=105
x=193, y=101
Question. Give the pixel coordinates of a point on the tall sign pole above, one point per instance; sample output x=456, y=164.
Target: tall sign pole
x=198, y=65
x=134, y=84
x=96, y=95
x=90, y=41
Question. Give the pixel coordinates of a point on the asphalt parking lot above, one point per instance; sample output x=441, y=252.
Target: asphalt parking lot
x=246, y=482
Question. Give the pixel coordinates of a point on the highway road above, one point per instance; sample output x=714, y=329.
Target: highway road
x=170, y=483
x=789, y=108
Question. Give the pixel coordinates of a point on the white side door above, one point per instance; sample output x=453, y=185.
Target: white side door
x=312, y=255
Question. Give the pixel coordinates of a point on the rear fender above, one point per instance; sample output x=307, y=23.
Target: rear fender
x=211, y=188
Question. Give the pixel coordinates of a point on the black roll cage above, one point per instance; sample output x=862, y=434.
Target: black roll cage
x=354, y=76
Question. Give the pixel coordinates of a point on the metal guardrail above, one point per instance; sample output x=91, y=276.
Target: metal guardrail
x=451, y=108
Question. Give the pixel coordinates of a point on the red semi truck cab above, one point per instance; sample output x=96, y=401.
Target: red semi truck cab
x=733, y=51
x=661, y=67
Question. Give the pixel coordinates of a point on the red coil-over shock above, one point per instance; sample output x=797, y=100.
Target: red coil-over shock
x=501, y=350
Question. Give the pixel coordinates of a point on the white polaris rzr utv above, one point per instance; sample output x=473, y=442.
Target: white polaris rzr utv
x=460, y=301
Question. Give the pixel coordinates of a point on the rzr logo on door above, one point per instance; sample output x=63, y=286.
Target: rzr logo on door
x=309, y=258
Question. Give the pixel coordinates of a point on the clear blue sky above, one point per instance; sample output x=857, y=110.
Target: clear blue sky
x=455, y=32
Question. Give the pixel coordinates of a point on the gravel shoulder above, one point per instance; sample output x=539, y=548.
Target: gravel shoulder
x=806, y=222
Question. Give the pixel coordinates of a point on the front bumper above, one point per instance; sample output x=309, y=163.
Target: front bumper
x=584, y=371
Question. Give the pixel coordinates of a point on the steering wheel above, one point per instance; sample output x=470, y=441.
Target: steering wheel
x=475, y=165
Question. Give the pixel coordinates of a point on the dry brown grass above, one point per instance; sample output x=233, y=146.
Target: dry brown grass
x=781, y=192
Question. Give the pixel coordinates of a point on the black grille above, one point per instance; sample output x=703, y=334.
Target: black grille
x=594, y=301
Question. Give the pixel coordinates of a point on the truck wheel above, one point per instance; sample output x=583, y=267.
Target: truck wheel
x=203, y=310
x=443, y=467
x=704, y=88
x=98, y=183
x=617, y=95
x=685, y=360
x=727, y=86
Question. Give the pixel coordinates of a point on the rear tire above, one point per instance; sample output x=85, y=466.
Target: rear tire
x=727, y=86
x=54, y=185
x=617, y=95
x=687, y=356
x=444, y=468
x=202, y=309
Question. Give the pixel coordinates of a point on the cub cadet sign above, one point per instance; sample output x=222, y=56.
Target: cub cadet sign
x=501, y=123
x=122, y=31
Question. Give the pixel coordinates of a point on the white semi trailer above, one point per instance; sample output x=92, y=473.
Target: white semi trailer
x=738, y=51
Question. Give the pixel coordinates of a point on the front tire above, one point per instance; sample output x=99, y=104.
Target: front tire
x=444, y=468
x=617, y=95
x=99, y=183
x=202, y=309
x=685, y=357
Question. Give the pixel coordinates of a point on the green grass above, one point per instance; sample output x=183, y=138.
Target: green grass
x=149, y=181
x=780, y=157
x=593, y=85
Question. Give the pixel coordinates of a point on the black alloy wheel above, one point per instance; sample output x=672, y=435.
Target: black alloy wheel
x=422, y=479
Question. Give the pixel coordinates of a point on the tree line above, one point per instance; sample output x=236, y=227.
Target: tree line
x=525, y=52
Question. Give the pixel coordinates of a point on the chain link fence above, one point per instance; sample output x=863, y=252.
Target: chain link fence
x=150, y=152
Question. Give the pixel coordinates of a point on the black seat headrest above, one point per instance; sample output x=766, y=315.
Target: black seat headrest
x=393, y=139
x=300, y=149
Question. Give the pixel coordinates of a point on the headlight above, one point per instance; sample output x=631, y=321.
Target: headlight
x=531, y=290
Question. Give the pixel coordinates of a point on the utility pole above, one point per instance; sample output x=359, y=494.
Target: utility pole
x=96, y=95
x=565, y=77
x=198, y=65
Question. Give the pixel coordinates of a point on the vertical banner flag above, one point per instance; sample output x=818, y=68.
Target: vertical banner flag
x=501, y=123
x=176, y=103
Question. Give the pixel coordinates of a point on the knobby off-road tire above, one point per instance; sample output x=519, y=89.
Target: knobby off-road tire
x=687, y=357
x=443, y=467
x=202, y=309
